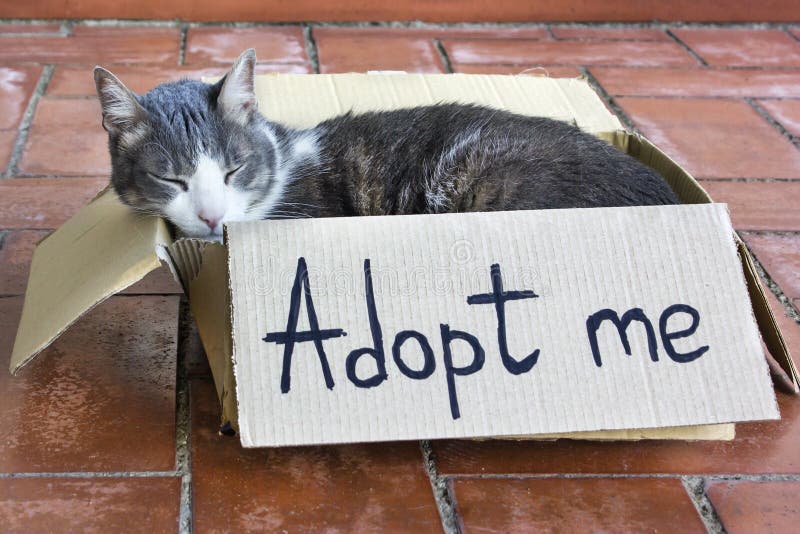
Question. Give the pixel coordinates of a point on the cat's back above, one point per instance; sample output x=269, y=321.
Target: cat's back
x=454, y=157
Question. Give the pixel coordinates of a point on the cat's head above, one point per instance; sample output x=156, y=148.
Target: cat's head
x=198, y=154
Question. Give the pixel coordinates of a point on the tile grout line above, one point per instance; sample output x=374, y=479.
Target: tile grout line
x=693, y=68
x=408, y=24
x=93, y=474
x=791, y=34
x=183, y=433
x=696, y=490
x=775, y=123
x=67, y=27
x=686, y=47
x=444, y=57
x=182, y=45
x=580, y=476
x=311, y=47
x=608, y=99
x=776, y=290
x=441, y=490
x=23, y=130
x=658, y=97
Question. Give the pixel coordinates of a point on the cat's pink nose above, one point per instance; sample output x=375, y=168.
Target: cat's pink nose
x=210, y=221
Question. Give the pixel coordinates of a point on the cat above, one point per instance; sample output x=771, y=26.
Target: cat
x=200, y=155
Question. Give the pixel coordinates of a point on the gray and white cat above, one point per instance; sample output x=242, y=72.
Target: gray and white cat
x=201, y=155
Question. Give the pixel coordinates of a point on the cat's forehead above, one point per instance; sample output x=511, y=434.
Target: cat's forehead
x=184, y=120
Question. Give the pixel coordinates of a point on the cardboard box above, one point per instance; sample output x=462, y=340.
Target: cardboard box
x=106, y=247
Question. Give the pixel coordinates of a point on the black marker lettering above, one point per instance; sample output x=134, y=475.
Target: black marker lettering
x=479, y=357
x=594, y=321
x=499, y=298
x=667, y=337
x=377, y=341
x=292, y=336
x=427, y=353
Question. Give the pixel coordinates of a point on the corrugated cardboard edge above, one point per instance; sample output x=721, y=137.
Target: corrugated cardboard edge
x=691, y=192
x=722, y=432
x=209, y=301
x=71, y=274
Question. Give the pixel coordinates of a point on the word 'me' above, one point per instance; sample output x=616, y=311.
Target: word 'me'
x=497, y=297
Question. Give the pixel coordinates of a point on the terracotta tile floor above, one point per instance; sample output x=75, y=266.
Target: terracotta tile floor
x=114, y=427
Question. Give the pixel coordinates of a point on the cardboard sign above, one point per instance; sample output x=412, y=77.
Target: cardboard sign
x=491, y=324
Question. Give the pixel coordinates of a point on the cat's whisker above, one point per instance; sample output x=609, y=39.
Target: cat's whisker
x=281, y=204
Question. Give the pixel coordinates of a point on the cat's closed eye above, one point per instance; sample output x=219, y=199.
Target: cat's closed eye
x=232, y=172
x=180, y=183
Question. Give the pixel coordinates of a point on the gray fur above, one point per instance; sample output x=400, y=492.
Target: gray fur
x=434, y=159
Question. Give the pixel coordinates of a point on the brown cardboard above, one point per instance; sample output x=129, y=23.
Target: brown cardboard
x=100, y=251
x=116, y=241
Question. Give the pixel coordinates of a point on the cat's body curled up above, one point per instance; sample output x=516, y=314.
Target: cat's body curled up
x=201, y=156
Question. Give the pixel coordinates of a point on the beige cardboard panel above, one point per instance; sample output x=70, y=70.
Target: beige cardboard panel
x=301, y=100
x=425, y=267
x=208, y=300
x=100, y=251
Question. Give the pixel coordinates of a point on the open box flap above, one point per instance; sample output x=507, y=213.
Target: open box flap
x=101, y=250
x=305, y=100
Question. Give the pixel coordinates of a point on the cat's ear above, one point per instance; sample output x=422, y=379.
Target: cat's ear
x=237, y=98
x=121, y=111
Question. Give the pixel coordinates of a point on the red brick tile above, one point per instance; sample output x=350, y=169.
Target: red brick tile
x=67, y=139
x=15, y=257
x=759, y=205
x=44, y=203
x=70, y=81
x=158, y=282
x=520, y=52
x=195, y=359
x=765, y=447
x=89, y=504
x=95, y=45
x=780, y=256
x=788, y=327
x=223, y=45
x=101, y=398
x=742, y=47
x=715, y=138
x=552, y=72
x=698, y=82
x=7, y=140
x=745, y=506
x=564, y=505
x=356, y=51
x=378, y=487
x=16, y=87
x=787, y=112
x=610, y=34
x=30, y=28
